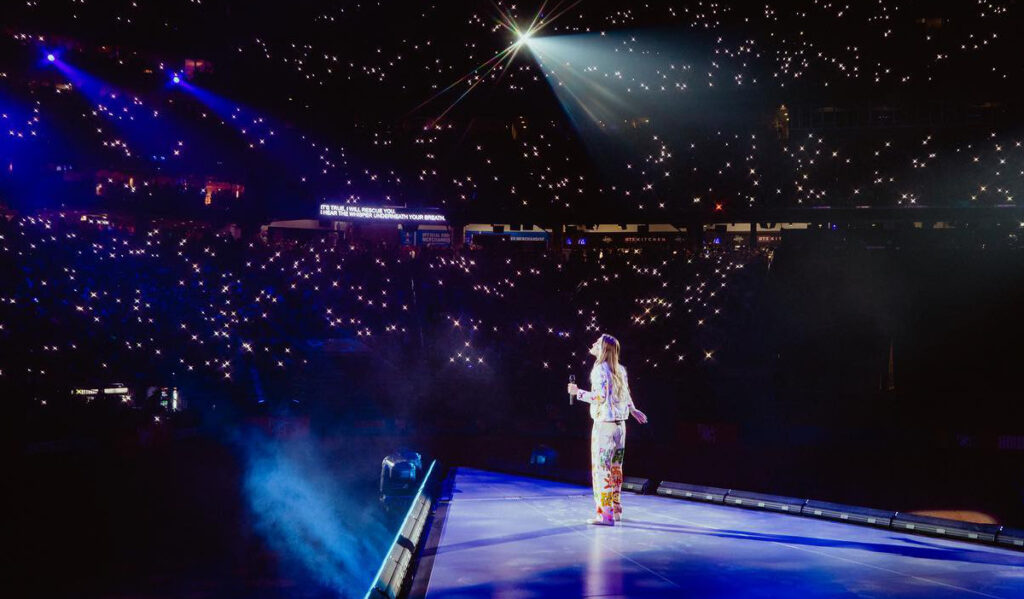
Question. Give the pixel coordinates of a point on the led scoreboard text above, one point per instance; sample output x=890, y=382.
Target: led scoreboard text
x=343, y=211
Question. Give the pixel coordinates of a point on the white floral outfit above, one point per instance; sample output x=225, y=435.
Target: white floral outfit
x=607, y=438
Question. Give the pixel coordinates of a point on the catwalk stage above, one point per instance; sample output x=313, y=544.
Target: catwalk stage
x=510, y=536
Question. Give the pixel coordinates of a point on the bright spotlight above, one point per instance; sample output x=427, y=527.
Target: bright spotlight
x=524, y=37
x=176, y=79
x=51, y=57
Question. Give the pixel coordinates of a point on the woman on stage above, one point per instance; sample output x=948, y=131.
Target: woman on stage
x=610, y=406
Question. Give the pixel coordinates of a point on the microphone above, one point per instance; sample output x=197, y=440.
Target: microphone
x=572, y=379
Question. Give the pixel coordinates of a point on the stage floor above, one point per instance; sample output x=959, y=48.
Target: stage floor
x=509, y=536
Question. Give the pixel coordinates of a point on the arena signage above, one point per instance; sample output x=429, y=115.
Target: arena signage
x=428, y=238
x=511, y=235
x=625, y=239
x=374, y=213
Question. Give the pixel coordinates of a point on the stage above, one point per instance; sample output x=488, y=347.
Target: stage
x=509, y=536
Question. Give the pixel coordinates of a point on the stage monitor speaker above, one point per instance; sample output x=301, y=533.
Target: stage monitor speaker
x=643, y=229
x=571, y=229
x=762, y=501
x=515, y=227
x=636, y=485
x=498, y=228
x=694, y=492
x=848, y=513
x=944, y=527
x=1011, y=537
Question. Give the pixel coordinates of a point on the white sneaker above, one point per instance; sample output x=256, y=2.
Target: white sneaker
x=601, y=522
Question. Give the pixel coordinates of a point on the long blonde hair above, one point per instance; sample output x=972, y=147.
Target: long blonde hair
x=610, y=353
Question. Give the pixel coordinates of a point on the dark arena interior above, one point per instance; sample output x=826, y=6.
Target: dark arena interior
x=336, y=299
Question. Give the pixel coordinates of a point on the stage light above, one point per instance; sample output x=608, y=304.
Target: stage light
x=763, y=501
x=523, y=37
x=394, y=571
x=945, y=527
x=399, y=473
x=543, y=456
x=636, y=485
x=694, y=492
x=51, y=57
x=848, y=513
x=176, y=79
x=1013, y=537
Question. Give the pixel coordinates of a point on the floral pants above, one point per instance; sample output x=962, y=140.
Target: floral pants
x=607, y=451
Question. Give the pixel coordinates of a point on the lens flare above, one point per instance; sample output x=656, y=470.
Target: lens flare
x=505, y=57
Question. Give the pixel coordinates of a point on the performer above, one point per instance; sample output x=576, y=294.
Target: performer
x=610, y=406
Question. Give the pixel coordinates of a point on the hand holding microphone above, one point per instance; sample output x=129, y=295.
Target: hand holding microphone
x=573, y=389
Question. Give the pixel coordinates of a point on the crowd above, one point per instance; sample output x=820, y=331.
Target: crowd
x=742, y=106
x=221, y=316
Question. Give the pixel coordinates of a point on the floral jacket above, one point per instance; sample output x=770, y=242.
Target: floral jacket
x=602, y=405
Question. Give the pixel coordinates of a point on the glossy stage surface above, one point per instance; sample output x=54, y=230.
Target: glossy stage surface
x=511, y=536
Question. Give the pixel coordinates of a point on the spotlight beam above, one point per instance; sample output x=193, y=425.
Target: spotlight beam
x=504, y=58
